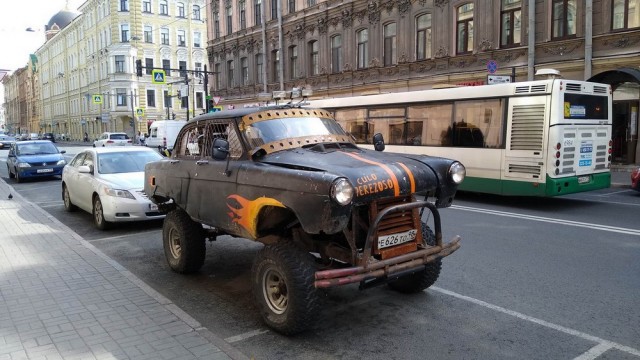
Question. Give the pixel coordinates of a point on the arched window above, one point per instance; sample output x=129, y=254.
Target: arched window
x=196, y=12
x=293, y=62
x=314, y=58
x=180, y=7
x=362, y=38
x=564, y=14
x=464, y=29
x=625, y=14
x=389, y=55
x=336, y=53
x=510, y=23
x=423, y=37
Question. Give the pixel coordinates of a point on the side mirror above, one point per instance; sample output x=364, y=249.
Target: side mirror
x=378, y=142
x=63, y=151
x=220, y=149
x=84, y=169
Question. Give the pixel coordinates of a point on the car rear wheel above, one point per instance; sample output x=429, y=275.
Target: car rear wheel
x=422, y=279
x=98, y=215
x=68, y=205
x=184, y=242
x=283, y=285
x=11, y=175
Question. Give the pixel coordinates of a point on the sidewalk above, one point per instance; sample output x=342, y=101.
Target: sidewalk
x=62, y=298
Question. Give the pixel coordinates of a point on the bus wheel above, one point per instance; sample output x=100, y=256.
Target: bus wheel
x=420, y=280
x=283, y=278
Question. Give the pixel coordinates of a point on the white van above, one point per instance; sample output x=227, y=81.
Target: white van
x=164, y=133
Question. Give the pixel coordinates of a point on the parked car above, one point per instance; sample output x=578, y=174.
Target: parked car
x=163, y=133
x=635, y=179
x=24, y=137
x=48, y=136
x=6, y=141
x=108, y=183
x=34, y=136
x=113, y=139
x=34, y=159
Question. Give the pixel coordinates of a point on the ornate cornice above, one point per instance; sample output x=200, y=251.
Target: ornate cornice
x=442, y=52
x=561, y=49
x=622, y=41
x=441, y=3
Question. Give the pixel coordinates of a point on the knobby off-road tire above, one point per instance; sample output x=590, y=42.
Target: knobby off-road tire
x=283, y=277
x=68, y=205
x=184, y=242
x=98, y=215
x=422, y=279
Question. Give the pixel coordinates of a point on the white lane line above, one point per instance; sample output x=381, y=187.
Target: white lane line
x=53, y=204
x=250, y=334
x=540, y=322
x=551, y=220
x=123, y=236
x=594, y=352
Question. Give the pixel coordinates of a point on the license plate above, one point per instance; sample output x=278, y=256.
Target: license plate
x=396, y=239
x=44, y=170
x=153, y=207
x=584, y=179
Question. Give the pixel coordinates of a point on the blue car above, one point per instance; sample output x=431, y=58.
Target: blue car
x=34, y=159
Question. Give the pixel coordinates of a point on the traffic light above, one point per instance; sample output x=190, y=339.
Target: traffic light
x=139, y=68
x=210, y=106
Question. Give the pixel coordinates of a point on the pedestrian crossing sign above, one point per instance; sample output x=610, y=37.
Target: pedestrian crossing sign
x=97, y=99
x=139, y=111
x=158, y=77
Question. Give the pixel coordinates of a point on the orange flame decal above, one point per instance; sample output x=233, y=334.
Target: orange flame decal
x=246, y=215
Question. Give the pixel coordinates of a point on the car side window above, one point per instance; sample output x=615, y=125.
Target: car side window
x=77, y=161
x=88, y=160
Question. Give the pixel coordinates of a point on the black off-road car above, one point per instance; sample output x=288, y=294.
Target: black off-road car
x=329, y=212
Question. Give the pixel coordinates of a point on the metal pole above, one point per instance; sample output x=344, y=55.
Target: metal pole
x=531, y=34
x=280, y=41
x=133, y=117
x=264, y=46
x=588, y=38
x=186, y=81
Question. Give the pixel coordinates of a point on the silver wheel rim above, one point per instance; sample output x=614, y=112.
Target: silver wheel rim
x=175, y=244
x=274, y=290
x=67, y=201
x=98, y=211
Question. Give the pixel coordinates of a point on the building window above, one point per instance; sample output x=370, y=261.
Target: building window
x=198, y=69
x=464, y=29
x=199, y=100
x=314, y=58
x=197, y=39
x=276, y=65
x=151, y=98
x=148, y=34
x=164, y=36
x=336, y=54
x=148, y=66
x=121, y=97
x=229, y=20
x=311, y=3
x=196, y=12
x=164, y=7
x=362, y=55
x=166, y=66
x=124, y=32
x=257, y=10
x=180, y=7
x=390, y=44
x=146, y=6
x=217, y=75
x=182, y=65
x=564, y=19
x=274, y=9
x=242, y=9
x=292, y=6
x=119, y=63
x=293, y=62
x=423, y=37
x=230, y=82
x=216, y=24
x=244, y=64
x=167, y=99
x=259, y=68
x=124, y=5
x=625, y=14
x=182, y=41
x=510, y=23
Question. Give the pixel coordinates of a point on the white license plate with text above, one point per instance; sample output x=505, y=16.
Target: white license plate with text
x=396, y=239
x=584, y=179
x=45, y=170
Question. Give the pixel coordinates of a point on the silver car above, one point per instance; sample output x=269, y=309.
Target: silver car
x=108, y=182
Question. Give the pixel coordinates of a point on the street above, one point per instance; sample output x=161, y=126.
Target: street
x=554, y=278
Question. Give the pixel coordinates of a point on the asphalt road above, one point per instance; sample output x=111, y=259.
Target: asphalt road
x=535, y=279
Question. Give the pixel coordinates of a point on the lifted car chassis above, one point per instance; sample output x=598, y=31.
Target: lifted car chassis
x=371, y=271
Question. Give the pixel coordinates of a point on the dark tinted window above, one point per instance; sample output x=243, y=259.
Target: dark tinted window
x=579, y=106
x=119, y=136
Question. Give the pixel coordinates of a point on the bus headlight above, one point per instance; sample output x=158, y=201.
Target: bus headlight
x=342, y=191
x=457, y=172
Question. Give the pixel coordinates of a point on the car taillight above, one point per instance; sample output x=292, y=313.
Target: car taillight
x=128, y=141
x=109, y=141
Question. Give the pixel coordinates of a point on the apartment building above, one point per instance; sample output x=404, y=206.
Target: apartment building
x=344, y=48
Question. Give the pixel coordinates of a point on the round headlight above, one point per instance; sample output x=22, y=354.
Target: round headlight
x=342, y=191
x=457, y=172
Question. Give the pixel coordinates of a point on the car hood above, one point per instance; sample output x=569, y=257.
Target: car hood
x=40, y=158
x=124, y=181
x=372, y=173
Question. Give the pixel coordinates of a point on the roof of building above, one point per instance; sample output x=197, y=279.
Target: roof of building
x=63, y=18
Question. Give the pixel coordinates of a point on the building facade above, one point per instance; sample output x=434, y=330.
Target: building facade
x=87, y=66
x=345, y=48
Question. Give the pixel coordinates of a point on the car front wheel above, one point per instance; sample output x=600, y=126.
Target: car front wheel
x=17, y=176
x=283, y=278
x=11, y=175
x=68, y=205
x=184, y=242
x=98, y=215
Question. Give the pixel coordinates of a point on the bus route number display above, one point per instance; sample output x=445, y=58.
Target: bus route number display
x=586, y=153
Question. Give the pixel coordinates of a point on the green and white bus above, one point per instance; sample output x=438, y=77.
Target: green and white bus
x=536, y=138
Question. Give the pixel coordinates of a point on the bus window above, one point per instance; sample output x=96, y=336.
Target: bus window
x=478, y=123
x=429, y=124
x=390, y=122
x=354, y=122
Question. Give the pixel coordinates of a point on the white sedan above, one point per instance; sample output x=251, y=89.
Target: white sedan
x=108, y=182
x=113, y=139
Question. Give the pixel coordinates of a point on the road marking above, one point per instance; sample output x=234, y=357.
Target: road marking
x=124, y=236
x=544, y=323
x=51, y=204
x=550, y=220
x=23, y=189
x=250, y=334
x=595, y=351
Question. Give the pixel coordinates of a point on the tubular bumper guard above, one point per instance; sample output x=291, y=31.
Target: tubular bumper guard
x=396, y=266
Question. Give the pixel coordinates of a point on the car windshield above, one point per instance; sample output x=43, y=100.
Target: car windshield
x=119, y=136
x=125, y=162
x=267, y=131
x=36, y=149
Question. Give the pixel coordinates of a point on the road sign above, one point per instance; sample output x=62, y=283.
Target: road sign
x=139, y=111
x=97, y=99
x=105, y=117
x=492, y=66
x=498, y=79
x=158, y=77
x=216, y=99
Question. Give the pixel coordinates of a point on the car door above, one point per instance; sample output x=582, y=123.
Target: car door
x=11, y=158
x=70, y=176
x=85, y=183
